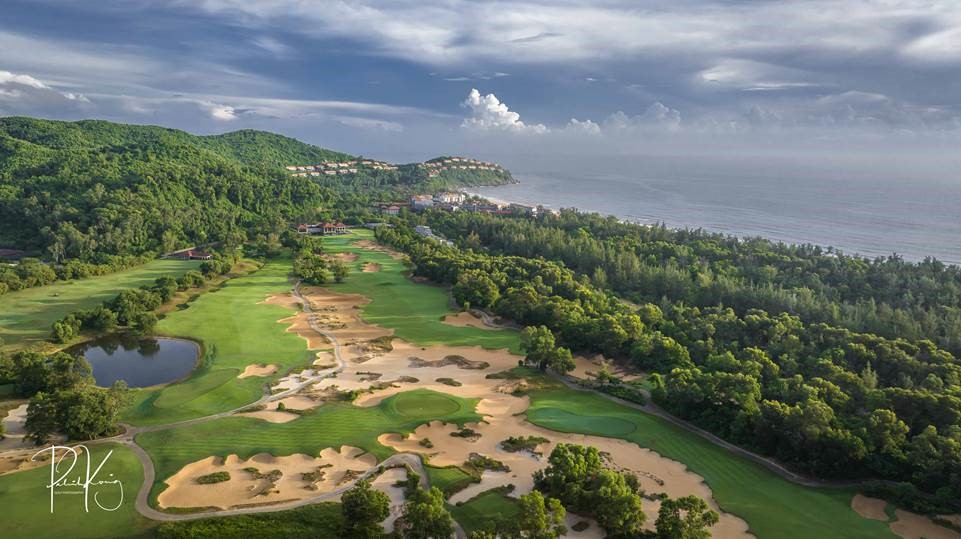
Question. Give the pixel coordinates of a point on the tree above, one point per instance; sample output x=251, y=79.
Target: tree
x=540, y=518
x=685, y=518
x=364, y=508
x=41, y=419
x=144, y=323
x=477, y=288
x=538, y=343
x=340, y=270
x=425, y=516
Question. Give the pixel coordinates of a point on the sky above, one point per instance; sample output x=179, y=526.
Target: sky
x=830, y=79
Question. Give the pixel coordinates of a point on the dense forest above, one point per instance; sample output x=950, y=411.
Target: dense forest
x=885, y=296
x=93, y=196
x=822, y=399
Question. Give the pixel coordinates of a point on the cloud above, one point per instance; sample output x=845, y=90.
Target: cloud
x=656, y=116
x=943, y=46
x=25, y=94
x=586, y=127
x=220, y=112
x=370, y=123
x=272, y=45
x=489, y=113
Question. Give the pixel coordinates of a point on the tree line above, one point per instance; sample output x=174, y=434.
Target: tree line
x=887, y=296
x=825, y=400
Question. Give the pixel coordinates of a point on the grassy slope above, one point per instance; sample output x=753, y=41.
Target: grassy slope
x=26, y=315
x=237, y=330
x=413, y=310
x=773, y=507
x=331, y=425
x=26, y=502
x=309, y=522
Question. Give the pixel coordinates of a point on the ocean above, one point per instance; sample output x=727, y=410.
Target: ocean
x=855, y=211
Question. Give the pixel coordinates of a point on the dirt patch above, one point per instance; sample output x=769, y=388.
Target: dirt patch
x=586, y=368
x=871, y=508
x=371, y=267
x=467, y=319
x=264, y=478
x=258, y=370
x=339, y=314
x=325, y=360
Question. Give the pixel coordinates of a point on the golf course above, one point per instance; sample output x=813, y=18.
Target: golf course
x=302, y=390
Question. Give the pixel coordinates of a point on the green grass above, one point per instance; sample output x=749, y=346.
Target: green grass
x=237, y=330
x=772, y=506
x=309, y=522
x=414, y=311
x=331, y=425
x=26, y=501
x=418, y=404
x=481, y=511
x=449, y=479
x=26, y=315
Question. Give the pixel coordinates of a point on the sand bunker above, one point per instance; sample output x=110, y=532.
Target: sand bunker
x=385, y=482
x=467, y=319
x=504, y=418
x=345, y=257
x=374, y=246
x=258, y=370
x=340, y=315
x=298, y=323
x=325, y=360
x=14, y=421
x=906, y=524
x=255, y=481
x=272, y=412
x=371, y=267
x=871, y=508
x=586, y=368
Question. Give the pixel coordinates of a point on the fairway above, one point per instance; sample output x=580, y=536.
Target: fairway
x=26, y=315
x=772, y=506
x=331, y=425
x=236, y=329
x=414, y=311
x=25, y=500
x=424, y=404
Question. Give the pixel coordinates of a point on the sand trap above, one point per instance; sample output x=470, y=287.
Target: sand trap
x=385, y=483
x=345, y=257
x=332, y=470
x=340, y=315
x=871, y=508
x=258, y=370
x=14, y=421
x=586, y=368
x=466, y=319
x=913, y=526
x=298, y=323
x=273, y=414
x=374, y=246
x=371, y=267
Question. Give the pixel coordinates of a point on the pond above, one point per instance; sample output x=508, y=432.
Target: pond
x=139, y=361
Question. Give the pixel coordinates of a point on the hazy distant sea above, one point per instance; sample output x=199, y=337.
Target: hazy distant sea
x=871, y=214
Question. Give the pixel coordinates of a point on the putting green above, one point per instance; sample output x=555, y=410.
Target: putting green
x=417, y=404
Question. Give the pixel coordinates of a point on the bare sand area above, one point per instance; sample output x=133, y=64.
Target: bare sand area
x=906, y=524
x=371, y=267
x=467, y=319
x=264, y=478
x=587, y=367
x=258, y=370
x=345, y=257
x=374, y=246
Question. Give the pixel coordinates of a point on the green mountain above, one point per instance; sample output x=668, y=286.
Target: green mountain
x=93, y=188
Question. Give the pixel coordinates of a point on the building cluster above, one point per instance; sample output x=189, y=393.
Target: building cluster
x=426, y=232
x=437, y=166
x=322, y=229
x=453, y=201
x=333, y=168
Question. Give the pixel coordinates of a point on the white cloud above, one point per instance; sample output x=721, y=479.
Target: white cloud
x=587, y=126
x=489, y=113
x=25, y=94
x=272, y=45
x=656, y=116
x=369, y=123
x=943, y=46
x=7, y=77
x=220, y=112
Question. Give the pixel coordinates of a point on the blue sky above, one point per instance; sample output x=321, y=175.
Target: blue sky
x=398, y=79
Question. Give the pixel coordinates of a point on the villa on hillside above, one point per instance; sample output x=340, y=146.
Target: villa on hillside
x=325, y=229
x=191, y=254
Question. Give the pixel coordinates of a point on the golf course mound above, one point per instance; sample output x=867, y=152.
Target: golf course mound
x=421, y=404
